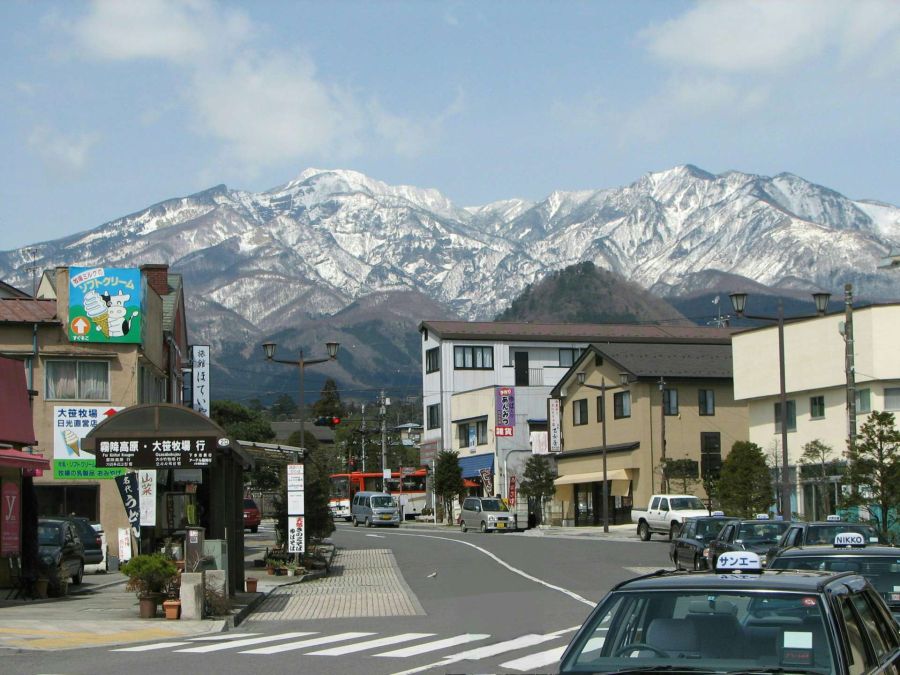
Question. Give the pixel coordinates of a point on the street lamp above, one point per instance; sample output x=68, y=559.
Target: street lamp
x=332, y=347
x=738, y=302
x=623, y=382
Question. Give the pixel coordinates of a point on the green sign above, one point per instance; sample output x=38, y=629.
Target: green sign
x=105, y=304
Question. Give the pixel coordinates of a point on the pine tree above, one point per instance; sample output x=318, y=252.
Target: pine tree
x=537, y=483
x=873, y=468
x=745, y=484
x=448, y=482
x=329, y=403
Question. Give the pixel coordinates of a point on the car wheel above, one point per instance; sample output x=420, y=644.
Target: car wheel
x=644, y=532
x=353, y=520
x=483, y=527
x=348, y=519
x=462, y=526
x=78, y=576
x=254, y=529
x=368, y=522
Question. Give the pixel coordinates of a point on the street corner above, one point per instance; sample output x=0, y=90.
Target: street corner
x=43, y=637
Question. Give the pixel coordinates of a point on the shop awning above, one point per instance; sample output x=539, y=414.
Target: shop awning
x=472, y=466
x=592, y=477
x=16, y=426
x=16, y=459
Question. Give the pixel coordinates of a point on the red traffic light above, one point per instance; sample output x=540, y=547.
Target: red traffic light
x=334, y=421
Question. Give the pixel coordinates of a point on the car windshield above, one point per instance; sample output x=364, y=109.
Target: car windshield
x=382, y=502
x=49, y=534
x=733, y=630
x=710, y=528
x=249, y=504
x=493, y=505
x=762, y=532
x=686, y=504
x=822, y=533
x=883, y=572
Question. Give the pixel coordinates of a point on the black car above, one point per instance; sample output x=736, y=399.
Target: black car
x=60, y=551
x=687, y=548
x=756, y=535
x=90, y=539
x=879, y=564
x=823, y=532
x=740, y=620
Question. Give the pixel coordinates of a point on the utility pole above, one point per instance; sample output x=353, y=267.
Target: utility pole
x=662, y=433
x=384, y=466
x=849, y=365
x=362, y=428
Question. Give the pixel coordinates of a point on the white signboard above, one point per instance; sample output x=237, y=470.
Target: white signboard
x=294, y=477
x=296, y=540
x=147, y=490
x=849, y=539
x=555, y=428
x=738, y=560
x=295, y=503
x=124, y=544
x=200, y=378
x=386, y=474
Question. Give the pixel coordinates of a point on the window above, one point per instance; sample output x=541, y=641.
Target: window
x=465, y=430
x=707, y=401
x=670, y=401
x=863, y=400
x=473, y=358
x=817, y=407
x=601, y=417
x=871, y=623
x=622, y=405
x=892, y=398
x=78, y=380
x=579, y=412
x=433, y=360
x=791, y=416
x=710, y=453
x=567, y=357
x=856, y=640
x=434, y=416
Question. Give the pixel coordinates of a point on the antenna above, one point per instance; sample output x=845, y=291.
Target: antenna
x=31, y=252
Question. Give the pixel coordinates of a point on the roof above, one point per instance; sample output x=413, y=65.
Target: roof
x=27, y=310
x=820, y=550
x=671, y=360
x=8, y=290
x=271, y=453
x=169, y=302
x=575, y=332
x=804, y=581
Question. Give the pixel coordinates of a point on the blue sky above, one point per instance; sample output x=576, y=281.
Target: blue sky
x=109, y=107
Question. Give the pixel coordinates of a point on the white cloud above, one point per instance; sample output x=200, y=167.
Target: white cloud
x=66, y=155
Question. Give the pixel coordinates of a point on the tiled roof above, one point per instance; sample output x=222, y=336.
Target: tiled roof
x=27, y=310
x=581, y=332
x=169, y=300
x=671, y=360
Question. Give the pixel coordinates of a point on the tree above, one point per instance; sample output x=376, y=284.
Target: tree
x=448, y=482
x=247, y=425
x=816, y=458
x=284, y=406
x=873, y=468
x=329, y=403
x=537, y=483
x=682, y=472
x=745, y=484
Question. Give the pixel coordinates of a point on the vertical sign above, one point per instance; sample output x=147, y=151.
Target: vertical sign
x=505, y=403
x=130, y=492
x=487, y=482
x=555, y=427
x=124, y=544
x=512, y=490
x=296, y=508
x=105, y=304
x=473, y=438
x=147, y=499
x=200, y=378
x=10, y=520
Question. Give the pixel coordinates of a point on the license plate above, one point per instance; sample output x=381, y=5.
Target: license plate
x=385, y=517
x=501, y=525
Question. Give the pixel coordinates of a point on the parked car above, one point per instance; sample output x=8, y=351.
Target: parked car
x=696, y=533
x=90, y=539
x=742, y=620
x=488, y=514
x=252, y=515
x=60, y=551
x=103, y=565
x=374, y=508
x=823, y=532
x=665, y=514
x=756, y=535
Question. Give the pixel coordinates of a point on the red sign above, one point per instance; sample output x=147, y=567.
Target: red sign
x=10, y=520
x=80, y=325
x=512, y=491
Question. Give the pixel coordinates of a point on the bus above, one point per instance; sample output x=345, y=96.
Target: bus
x=409, y=490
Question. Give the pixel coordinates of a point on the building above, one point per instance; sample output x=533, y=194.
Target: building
x=486, y=386
x=86, y=360
x=816, y=384
x=664, y=402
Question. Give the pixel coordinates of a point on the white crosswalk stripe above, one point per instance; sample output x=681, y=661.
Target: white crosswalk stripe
x=219, y=646
x=151, y=647
x=223, y=636
x=302, y=644
x=371, y=644
x=532, y=662
x=434, y=646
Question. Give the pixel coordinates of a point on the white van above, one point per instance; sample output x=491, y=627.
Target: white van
x=374, y=508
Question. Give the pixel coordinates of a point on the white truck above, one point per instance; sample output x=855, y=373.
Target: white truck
x=665, y=514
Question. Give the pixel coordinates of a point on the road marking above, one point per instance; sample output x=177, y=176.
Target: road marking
x=434, y=646
x=370, y=644
x=223, y=636
x=313, y=642
x=533, y=661
x=376, y=536
x=150, y=647
x=241, y=643
x=484, y=652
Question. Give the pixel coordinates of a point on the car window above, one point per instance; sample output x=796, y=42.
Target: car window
x=761, y=532
x=689, y=529
x=493, y=505
x=825, y=533
x=663, y=504
x=855, y=640
x=687, y=503
x=870, y=624
x=249, y=504
x=469, y=505
x=382, y=502
x=49, y=534
x=654, y=503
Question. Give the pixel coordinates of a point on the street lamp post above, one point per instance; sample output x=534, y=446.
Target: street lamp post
x=332, y=347
x=603, y=389
x=738, y=302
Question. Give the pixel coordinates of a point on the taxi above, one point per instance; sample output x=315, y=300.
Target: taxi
x=850, y=553
x=687, y=549
x=757, y=535
x=739, y=619
x=823, y=532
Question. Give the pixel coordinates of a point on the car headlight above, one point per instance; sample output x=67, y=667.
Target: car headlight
x=492, y=517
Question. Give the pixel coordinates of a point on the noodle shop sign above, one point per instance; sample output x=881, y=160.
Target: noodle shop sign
x=156, y=453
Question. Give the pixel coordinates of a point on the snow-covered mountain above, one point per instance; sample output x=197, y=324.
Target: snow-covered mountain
x=260, y=263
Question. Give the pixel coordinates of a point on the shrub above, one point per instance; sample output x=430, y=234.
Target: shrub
x=149, y=573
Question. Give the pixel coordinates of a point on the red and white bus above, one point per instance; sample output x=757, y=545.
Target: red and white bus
x=410, y=491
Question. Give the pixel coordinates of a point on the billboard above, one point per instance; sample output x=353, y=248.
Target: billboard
x=105, y=304
x=71, y=423
x=505, y=404
x=200, y=378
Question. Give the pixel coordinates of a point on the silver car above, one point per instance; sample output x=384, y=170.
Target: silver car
x=488, y=514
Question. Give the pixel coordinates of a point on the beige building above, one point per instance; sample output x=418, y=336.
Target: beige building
x=669, y=401
x=76, y=384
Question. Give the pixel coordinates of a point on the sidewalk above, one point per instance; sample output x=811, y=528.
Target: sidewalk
x=625, y=531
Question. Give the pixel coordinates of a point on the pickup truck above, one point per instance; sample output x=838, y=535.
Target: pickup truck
x=665, y=515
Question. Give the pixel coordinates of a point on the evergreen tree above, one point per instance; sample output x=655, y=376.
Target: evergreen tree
x=329, y=403
x=448, y=482
x=873, y=468
x=247, y=425
x=745, y=484
x=537, y=483
x=284, y=406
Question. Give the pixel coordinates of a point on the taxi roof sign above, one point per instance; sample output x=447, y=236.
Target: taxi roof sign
x=832, y=518
x=718, y=514
x=739, y=561
x=762, y=516
x=853, y=539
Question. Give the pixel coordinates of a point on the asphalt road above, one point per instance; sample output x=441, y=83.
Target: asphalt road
x=489, y=603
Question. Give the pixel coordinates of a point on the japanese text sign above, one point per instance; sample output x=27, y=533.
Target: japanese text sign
x=105, y=304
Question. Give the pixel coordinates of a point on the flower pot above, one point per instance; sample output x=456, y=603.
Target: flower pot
x=40, y=587
x=172, y=608
x=291, y=572
x=270, y=569
x=147, y=607
x=251, y=584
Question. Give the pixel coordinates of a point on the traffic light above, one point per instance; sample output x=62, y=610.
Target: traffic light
x=328, y=421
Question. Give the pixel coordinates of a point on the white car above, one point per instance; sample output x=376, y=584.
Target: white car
x=102, y=566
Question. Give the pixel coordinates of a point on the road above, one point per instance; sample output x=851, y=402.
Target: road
x=404, y=601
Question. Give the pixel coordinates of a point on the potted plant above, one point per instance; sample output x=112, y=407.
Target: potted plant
x=149, y=575
x=172, y=608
